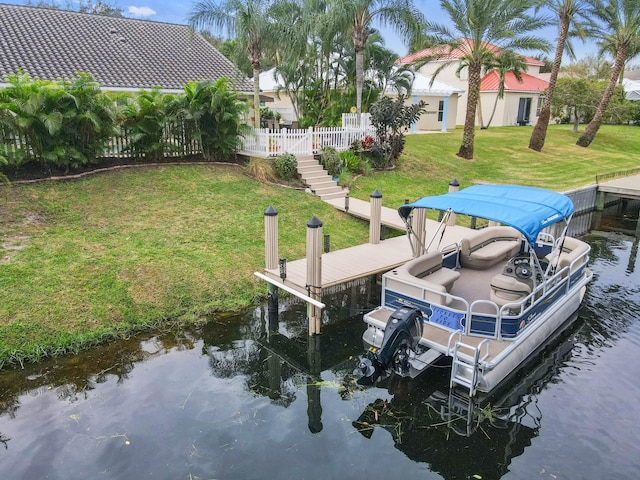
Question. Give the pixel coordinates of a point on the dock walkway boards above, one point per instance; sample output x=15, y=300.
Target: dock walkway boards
x=627, y=187
x=342, y=266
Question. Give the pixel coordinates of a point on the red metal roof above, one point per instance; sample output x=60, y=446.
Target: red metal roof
x=444, y=54
x=529, y=83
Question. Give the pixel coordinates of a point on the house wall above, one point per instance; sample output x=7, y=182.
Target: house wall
x=448, y=76
x=507, y=108
x=428, y=121
x=281, y=105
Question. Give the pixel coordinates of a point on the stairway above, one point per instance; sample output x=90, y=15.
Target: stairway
x=318, y=180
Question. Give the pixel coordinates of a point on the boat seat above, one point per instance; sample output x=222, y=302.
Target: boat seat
x=508, y=289
x=572, y=249
x=425, y=271
x=489, y=246
x=429, y=267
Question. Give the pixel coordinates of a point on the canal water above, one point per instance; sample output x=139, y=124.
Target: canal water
x=250, y=397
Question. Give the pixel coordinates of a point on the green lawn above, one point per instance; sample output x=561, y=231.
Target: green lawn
x=501, y=155
x=84, y=261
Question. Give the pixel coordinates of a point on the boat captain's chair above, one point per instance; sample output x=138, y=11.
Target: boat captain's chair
x=508, y=289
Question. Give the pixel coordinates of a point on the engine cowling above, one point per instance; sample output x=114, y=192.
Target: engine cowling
x=403, y=331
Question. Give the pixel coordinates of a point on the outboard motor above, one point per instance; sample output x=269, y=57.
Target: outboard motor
x=402, y=333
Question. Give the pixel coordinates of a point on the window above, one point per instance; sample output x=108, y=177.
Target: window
x=440, y=110
x=539, y=106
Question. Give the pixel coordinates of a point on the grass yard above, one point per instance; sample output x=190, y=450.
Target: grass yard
x=88, y=260
x=83, y=261
x=501, y=155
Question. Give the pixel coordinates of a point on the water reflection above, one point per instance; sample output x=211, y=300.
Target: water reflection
x=199, y=402
x=428, y=421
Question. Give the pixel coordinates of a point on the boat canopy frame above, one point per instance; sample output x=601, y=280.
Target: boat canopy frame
x=527, y=209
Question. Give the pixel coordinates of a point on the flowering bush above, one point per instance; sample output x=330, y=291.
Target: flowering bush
x=366, y=142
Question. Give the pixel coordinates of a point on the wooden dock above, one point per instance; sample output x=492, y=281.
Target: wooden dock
x=627, y=187
x=342, y=266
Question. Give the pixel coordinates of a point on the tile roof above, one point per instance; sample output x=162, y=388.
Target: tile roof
x=121, y=53
x=491, y=81
x=443, y=54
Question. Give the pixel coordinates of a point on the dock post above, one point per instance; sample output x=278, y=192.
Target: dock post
x=314, y=272
x=271, y=258
x=419, y=220
x=454, y=186
x=375, y=217
x=600, y=201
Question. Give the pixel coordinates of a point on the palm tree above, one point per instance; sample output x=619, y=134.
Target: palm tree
x=359, y=16
x=569, y=13
x=620, y=32
x=506, y=62
x=246, y=20
x=481, y=30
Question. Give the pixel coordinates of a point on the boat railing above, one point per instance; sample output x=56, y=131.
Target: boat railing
x=455, y=337
x=445, y=297
x=473, y=310
x=487, y=353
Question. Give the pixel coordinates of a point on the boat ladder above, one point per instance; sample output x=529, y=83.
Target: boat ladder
x=466, y=365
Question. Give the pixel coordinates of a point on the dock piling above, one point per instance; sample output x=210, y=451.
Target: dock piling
x=314, y=272
x=454, y=186
x=271, y=258
x=375, y=218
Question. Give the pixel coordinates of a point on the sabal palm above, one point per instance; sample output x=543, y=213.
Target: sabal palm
x=358, y=16
x=478, y=27
x=246, y=20
x=570, y=14
x=619, y=32
x=506, y=62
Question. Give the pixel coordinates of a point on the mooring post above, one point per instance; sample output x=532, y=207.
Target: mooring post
x=314, y=272
x=271, y=259
x=454, y=186
x=600, y=201
x=419, y=232
x=375, y=217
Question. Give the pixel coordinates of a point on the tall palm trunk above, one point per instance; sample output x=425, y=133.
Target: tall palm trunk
x=593, y=127
x=359, y=79
x=495, y=105
x=256, y=93
x=359, y=44
x=539, y=134
x=466, y=149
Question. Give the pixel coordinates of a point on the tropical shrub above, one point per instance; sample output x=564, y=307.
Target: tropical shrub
x=350, y=161
x=212, y=112
x=330, y=159
x=286, y=166
x=144, y=116
x=391, y=118
x=56, y=124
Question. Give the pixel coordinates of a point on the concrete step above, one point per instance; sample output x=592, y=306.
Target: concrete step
x=310, y=169
x=327, y=190
x=329, y=196
x=322, y=184
x=307, y=163
x=320, y=177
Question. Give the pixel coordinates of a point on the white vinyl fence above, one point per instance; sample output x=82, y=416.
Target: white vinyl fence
x=270, y=143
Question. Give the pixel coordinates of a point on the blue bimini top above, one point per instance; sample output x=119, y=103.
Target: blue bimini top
x=527, y=209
